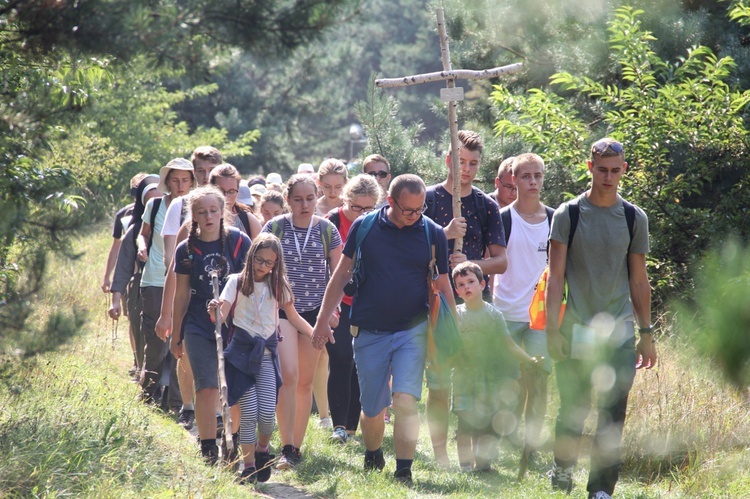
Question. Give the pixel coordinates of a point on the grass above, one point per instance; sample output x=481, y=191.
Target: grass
x=71, y=425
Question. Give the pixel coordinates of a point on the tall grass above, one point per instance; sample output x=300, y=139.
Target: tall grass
x=71, y=425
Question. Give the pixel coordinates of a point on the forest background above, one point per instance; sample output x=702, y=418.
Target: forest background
x=92, y=92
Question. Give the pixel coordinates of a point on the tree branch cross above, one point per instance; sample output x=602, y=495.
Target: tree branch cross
x=451, y=95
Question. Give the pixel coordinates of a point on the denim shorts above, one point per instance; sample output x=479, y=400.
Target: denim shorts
x=380, y=354
x=534, y=342
x=201, y=353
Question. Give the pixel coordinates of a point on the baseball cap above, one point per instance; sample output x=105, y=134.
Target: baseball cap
x=244, y=196
x=305, y=168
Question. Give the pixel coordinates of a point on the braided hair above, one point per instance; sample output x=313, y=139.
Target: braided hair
x=194, y=235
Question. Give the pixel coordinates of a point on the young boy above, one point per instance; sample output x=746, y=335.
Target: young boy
x=484, y=366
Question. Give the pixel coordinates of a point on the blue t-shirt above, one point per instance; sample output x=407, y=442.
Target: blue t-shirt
x=208, y=256
x=393, y=295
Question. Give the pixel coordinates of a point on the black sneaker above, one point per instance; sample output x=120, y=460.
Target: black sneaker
x=561, y=478
x=403, y=476
x=249, y=475
x=210, y=453
x=288, y=458
x=186, y=418
x=263, y=462
x=376, y=462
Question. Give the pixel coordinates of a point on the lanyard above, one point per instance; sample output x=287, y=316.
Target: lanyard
x=307, y=236
x=258, y=319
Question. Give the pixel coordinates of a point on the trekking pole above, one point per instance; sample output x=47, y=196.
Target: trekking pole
x=114, y=332
x=223, y=392
x=533, y=377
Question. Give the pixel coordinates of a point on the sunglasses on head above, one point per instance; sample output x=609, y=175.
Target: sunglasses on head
x=603, y=146
x=380, y=174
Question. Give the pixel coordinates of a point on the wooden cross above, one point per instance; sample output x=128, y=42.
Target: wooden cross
x=451, y=94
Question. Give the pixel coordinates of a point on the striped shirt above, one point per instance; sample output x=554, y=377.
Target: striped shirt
x=306, y=269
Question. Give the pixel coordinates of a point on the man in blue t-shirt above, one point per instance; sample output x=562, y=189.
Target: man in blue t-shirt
x=481, y=229
x=389, y=316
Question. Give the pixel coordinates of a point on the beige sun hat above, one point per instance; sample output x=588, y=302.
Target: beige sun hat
x=175, y=164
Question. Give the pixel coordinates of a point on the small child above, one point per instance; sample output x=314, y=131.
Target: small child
x=483, y=365
x=252, y=362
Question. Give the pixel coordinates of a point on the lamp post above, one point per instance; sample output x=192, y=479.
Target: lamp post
x=356, y=136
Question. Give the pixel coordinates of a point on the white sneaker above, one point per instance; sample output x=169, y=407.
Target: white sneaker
x=601, y=495
x=325, y=423
x=339, y=435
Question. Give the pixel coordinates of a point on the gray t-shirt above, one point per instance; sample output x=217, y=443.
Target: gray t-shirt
x=597, y=268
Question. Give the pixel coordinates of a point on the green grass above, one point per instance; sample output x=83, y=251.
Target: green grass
x=71, y=425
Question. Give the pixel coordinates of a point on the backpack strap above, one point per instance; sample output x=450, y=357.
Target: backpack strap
x=277, y=225
x=334, y=217
x=154, y=211
x=430, y=202
x=326, y=233
x=507, y=222
x=244, y=219
x=481, y=203
x=236, y=245
x=630, y=219
x=574, y=212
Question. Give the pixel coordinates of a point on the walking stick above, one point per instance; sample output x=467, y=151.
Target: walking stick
x=533, y=375
x=223, y=392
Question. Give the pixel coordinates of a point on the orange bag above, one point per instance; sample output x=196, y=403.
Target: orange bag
x=537, y=309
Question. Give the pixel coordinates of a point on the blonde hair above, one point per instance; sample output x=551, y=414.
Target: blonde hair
x=362, y=185
x=332, y=166
x=195, y=196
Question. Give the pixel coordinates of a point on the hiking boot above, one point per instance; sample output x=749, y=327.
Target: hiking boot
x=561, y=478
x=339, y=435
x=186, y=418
x=376, y=462
x=210, y=453
x=263, y=462
x=288, y=458
x=249, y=476
x=403, y=476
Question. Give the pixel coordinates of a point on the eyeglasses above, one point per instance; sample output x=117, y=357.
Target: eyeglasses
x=265, y=263
x=380, y=174
x=510, y=187
x=359, y=209
x=408, y=213
x=605, y=145
x=230, y=192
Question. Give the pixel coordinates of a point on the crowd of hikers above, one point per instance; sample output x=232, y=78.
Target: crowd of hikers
x=314, y=296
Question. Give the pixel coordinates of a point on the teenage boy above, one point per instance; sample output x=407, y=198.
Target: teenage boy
x=604, y=264
x=526, y=222
x=483, y=372
x=481, y=229
x=505, y=190
x=395, y=255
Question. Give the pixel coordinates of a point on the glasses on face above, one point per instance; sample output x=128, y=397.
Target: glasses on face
x=409, y=213
x=359, y=209
x=230, y=192
x=509, y=187
x=380, y=174
x=605, y=145
x=264, y=263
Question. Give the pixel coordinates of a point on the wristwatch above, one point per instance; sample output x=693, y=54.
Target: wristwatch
x=646, y=330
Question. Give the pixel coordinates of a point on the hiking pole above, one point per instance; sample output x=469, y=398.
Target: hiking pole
x=114, y=332
x=533, y=375
x=223, y=392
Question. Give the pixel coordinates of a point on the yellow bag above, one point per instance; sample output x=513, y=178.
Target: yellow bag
x=537, y=309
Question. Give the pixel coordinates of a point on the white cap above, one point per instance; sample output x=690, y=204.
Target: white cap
x=244, y=195
x=274, y=178
x=305, y=168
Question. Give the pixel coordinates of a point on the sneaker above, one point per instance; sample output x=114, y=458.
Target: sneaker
x=339, y=435
x=325, y=423
x=561, y=478
x=210, y=453
x=387, y=415
x=403, y=476
x=288, y=458
x=600, y=495
x=263, y=462
x=249, y=475
x=186, y=418
x=376, y=462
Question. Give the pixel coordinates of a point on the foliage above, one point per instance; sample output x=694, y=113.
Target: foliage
x=682, y=125
x=718, y=318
